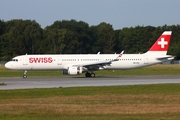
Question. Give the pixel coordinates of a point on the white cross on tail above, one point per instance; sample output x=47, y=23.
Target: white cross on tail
x=162, y=43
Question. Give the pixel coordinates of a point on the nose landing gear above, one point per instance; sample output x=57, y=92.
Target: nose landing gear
x=25, y=76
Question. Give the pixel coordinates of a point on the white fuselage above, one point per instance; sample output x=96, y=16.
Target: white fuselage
x=61, y=62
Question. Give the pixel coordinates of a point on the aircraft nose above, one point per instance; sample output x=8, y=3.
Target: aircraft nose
x=7, y=65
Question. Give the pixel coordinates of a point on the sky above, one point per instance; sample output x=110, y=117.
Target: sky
x=118, y=13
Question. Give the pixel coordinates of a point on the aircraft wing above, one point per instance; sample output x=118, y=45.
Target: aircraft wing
x=99, y=64
x=95, y=63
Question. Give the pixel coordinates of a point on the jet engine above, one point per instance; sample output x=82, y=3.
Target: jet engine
x=73, y=71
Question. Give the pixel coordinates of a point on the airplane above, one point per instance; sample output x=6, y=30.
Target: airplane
x=75, y=64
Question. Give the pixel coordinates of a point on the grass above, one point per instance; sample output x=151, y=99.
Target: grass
x=151, y=70
x=87, y=103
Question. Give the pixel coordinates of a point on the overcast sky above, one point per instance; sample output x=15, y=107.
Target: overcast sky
x=118, y=13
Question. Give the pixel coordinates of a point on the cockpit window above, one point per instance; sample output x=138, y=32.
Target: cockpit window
x=16, y=60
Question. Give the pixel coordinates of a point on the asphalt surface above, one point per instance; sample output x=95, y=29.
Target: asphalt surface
x=56, y=82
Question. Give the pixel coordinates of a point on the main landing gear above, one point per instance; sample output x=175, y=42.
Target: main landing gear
x=90, y=74
x=25, y=76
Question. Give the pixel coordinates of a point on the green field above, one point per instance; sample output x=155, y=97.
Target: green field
x=138, y=102
x=151, y=70
x=150, y=102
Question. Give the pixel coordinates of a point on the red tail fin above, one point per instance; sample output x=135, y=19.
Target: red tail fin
x=162, y=42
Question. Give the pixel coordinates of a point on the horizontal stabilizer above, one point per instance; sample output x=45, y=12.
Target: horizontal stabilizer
x=168, y=57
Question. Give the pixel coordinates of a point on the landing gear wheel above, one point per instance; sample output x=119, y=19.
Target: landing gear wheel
x=88, y=74
x=25, y=76
x=93, y=75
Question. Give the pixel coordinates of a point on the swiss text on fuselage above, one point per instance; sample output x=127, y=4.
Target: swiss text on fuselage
x=40, y=60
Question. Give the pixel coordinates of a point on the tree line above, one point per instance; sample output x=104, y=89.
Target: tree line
x=18, y=37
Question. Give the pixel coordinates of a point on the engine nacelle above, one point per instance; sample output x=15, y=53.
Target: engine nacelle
x=73, y=71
